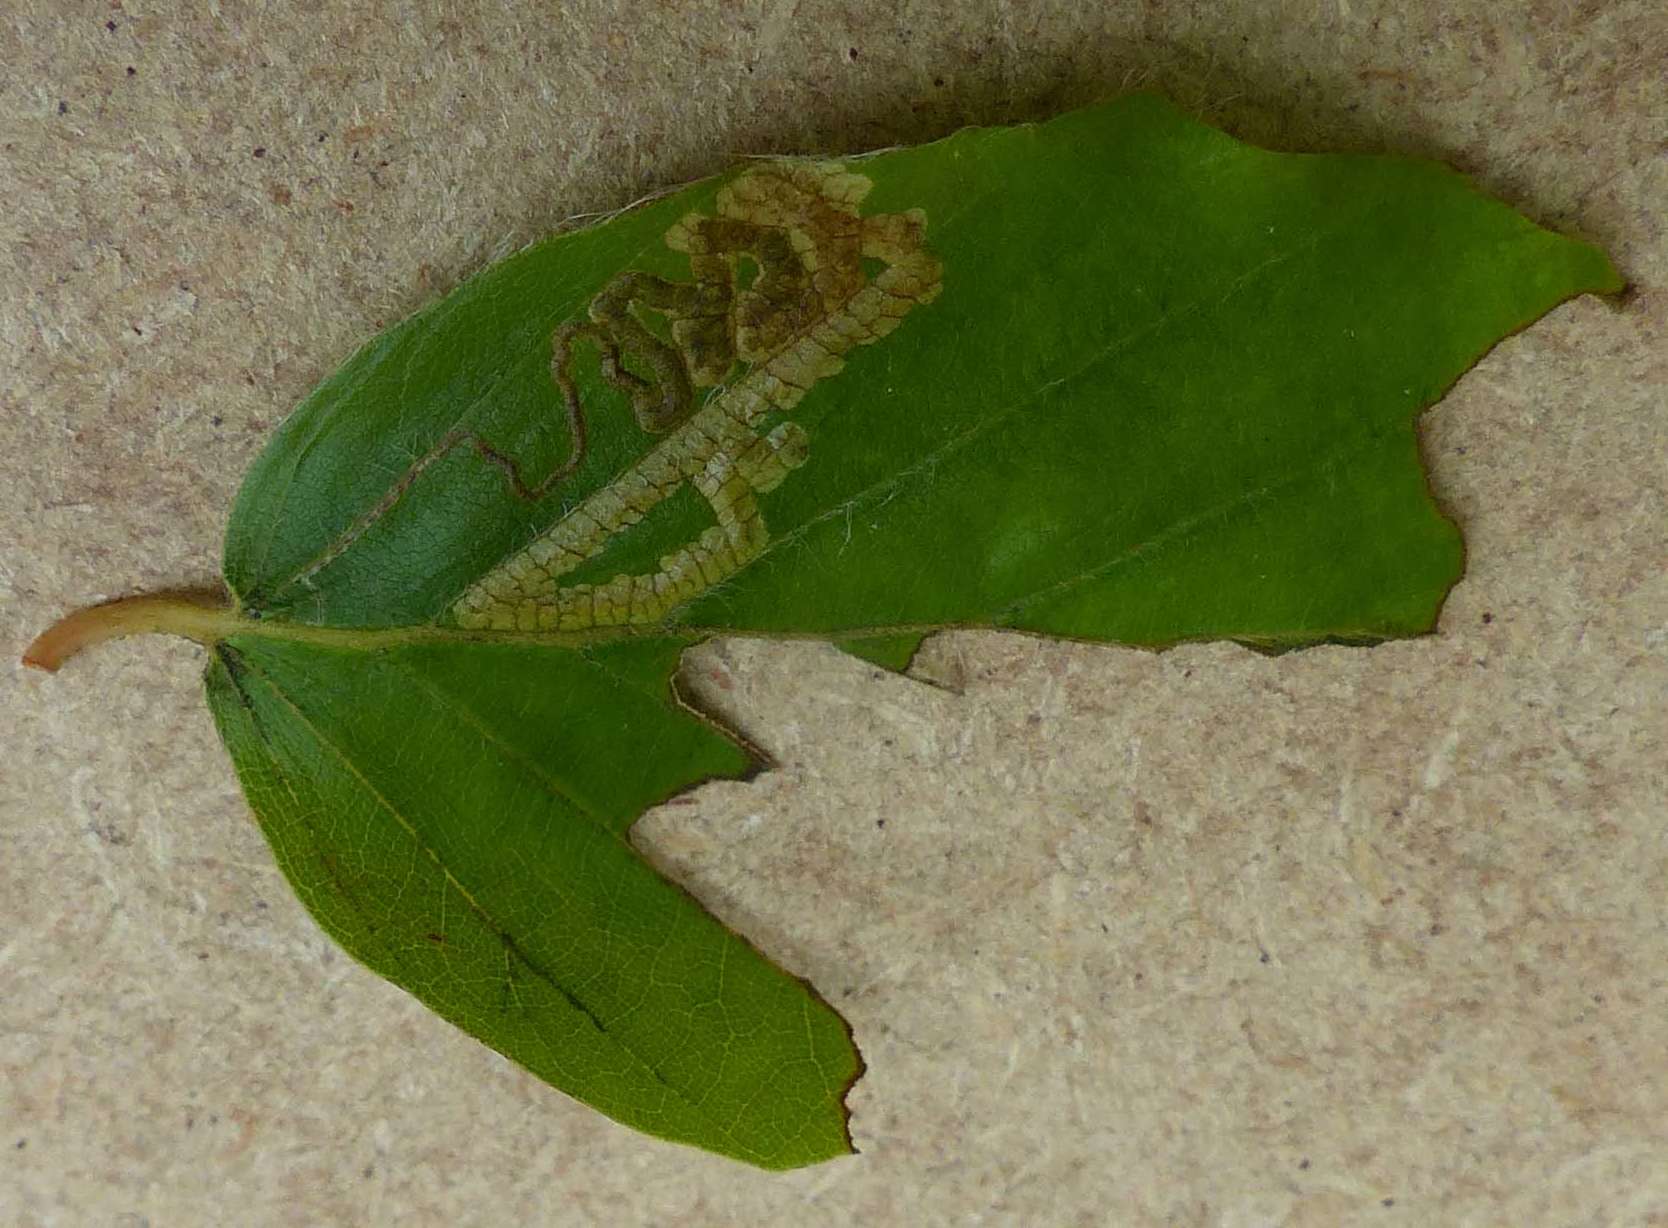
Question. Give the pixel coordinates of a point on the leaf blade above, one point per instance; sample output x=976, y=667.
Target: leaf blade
x=546, y=963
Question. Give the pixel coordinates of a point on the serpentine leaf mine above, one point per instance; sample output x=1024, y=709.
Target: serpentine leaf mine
x=809, y=304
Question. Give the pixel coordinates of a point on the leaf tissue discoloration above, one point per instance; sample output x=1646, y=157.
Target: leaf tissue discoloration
x=808, y=302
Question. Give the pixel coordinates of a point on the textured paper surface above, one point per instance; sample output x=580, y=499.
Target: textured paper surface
x=1205, y=938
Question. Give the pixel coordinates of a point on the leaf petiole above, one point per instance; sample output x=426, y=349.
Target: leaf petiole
x=204, y=615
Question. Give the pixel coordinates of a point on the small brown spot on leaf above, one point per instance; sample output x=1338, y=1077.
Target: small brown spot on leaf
x=279, y=193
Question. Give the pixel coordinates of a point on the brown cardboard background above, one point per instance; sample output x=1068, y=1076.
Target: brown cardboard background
x=1373, y=936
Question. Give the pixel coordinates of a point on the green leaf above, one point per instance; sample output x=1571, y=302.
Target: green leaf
x=1116, y=377
x=893, y=652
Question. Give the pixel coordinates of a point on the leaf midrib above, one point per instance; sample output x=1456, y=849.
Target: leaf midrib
x=377, y=639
